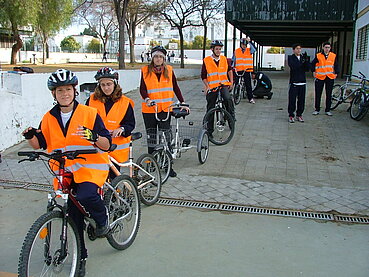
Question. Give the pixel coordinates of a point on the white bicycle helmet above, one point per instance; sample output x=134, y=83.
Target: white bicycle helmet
x=62, y=77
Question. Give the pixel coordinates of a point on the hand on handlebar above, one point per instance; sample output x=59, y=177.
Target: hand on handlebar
x=150, y=102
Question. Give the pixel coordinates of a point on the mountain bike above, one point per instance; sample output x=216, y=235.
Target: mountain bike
x=220, y=124
x=183, y=135
x=239, y=88
x=342, y=93
x=360, y=102
x=145, y=172
x=52, y=245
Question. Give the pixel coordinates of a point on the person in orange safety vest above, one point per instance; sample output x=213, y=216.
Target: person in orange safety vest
x=325, y=68
x=60, y=128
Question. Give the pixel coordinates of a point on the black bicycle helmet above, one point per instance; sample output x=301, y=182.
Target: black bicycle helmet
x=216, y=43
x=160, y=49
x=62, y=77
x=106, y=72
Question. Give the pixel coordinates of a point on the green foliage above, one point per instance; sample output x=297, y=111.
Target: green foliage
x=69, y=44
x=29, y=44
x=199, y=41
x=275, y=50
x=89, y=32
x=94, y=46
x=18, y=13
x=153, y=43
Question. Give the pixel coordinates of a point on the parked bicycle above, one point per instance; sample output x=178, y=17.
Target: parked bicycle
x=239, y=88
x=183, y=135
x=52, y=245
x=145, y=172
x=345, y=92
x=360, y=103
x=220, y=123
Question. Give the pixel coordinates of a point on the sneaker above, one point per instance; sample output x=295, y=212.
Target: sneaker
x=252, y=101
x=291, y=119
x=315, y=112
x=300, y=119
x=82, y=268
x=101, y=231
x=172, y=173
x=328, y=113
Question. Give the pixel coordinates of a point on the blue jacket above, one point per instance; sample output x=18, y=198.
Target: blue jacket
x=297, y=69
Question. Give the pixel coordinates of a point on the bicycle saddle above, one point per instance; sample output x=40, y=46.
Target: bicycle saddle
x=177, y=112
x=136, y=135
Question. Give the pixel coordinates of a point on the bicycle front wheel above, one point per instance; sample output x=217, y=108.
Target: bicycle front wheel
x=203, y=146
x=164, y=160
x=124, y=212
x=357, y=110
x=220, y=126
x=237, y=95
x=42, y=252
x=149, y=193
x=337, y=94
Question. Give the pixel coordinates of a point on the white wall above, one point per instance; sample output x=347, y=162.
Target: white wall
x=25, y=98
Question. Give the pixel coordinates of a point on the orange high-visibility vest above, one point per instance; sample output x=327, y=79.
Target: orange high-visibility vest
x=325, y=66
x=160, y=92
x=112, y=121
x=217, y=75
x=95, y=168
x=244, y=60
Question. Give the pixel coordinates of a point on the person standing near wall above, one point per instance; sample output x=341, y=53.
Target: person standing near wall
x=243, y=63
x=325, y=68
x=299, y=65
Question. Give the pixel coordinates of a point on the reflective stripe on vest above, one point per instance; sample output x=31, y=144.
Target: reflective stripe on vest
x=112, y=121
x=244, y=60
x=95, y=168
x=217, y=75
x=159, y=91
x=325, y=66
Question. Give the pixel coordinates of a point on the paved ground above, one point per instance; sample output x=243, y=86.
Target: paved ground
x=320, y=165
x=190, y=243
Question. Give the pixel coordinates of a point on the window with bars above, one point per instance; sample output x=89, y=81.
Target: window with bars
x=362, y=43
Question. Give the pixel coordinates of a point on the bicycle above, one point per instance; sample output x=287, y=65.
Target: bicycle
x=220, y=123
x=170, y=145
x=342, y=93
x=360, y=103
x=239, y=88
x=52, y=245
x=145, y=172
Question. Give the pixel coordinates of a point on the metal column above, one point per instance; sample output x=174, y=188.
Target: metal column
x=343, y=71
x=226, y=39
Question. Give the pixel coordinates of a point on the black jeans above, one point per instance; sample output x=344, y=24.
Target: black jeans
x=296, y=92
x=319, y=84
x=152, y=124
x=89, y=198
x=247, y=80
x=260, y=90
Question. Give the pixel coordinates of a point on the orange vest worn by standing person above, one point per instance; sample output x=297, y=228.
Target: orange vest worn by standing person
x=217, y=75
x=159, y=91
x=244, y=60
x=95, y=168
x=325, y=66
x=112, y=121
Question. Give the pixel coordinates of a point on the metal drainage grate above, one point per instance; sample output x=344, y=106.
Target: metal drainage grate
x=269, y=211
x=352, y=219
x=187, y=204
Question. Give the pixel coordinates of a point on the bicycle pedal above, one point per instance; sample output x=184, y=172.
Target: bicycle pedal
x=186, y=142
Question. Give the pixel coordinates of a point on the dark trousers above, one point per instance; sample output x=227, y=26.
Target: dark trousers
x=87, y=195
x=319, y=84
x=152, y=124
x=247, y=80
x=296, y=93
x=260, y=90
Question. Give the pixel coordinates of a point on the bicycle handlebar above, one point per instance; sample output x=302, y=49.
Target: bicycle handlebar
x=71, y=155
x=177, y=104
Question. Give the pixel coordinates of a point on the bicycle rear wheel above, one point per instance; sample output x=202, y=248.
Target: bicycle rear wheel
x=149, y=194
x=41, y=251
x=357, y=108
x=337, y=94
x=164, y=160
x=203, y=146
x=220, y=126
x=124, y=210
x=237, y=94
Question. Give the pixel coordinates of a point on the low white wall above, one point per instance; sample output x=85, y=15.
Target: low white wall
x=25, y=98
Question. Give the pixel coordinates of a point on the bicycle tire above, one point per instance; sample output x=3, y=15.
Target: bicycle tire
x=203, y=146
x=40, y=236
x=149, y=194
x=244, y=92
x=223, y=125
x=237, y=94
x=164, y=160
x=124, y=232
x=357, y=111
x=336, y=98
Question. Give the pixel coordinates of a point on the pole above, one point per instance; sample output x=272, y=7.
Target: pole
x=226, y=39
x=344, y=53
x=234, y=38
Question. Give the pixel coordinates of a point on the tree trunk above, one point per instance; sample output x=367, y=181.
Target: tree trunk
x=181, y=42
x=18, y=45
x=121, y=53
x=43, y=52
x=132, y=40
x=205, y=39
x=47, y=50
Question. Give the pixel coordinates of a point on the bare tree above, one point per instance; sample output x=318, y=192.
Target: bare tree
x=208, y=9
x=100, y=18
x=120, y=7
x=180, y=14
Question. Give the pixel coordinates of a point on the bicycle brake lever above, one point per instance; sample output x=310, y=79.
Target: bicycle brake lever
x=82, y=158
x=23, y=160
